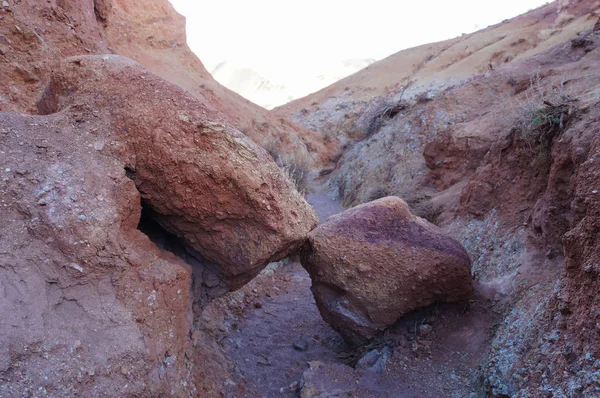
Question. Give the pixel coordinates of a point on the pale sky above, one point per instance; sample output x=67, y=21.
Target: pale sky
x=284, y=39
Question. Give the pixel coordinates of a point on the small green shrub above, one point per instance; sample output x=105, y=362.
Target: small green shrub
x=540, y=119
x=549, y=121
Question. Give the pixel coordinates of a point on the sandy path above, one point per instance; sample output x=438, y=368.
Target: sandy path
x=324, y=206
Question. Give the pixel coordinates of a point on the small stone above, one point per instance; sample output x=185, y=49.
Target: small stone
x=26, y=75
x=425, y=329
x=301, y=345
x=99, y=145
x=563, y=307
x=76, y=266
x=5, y=4
x=375, y=360
x=210, y=279
x=258, y=304
x=169, y=360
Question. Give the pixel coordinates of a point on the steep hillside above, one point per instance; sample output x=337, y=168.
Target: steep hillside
x=494, y=137
x=428, y=70
x=34, y=34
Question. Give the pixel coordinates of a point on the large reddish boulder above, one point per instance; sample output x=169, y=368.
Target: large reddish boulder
x=376, y=262
x=90, y=305
x=122, y=166
x=205, y=182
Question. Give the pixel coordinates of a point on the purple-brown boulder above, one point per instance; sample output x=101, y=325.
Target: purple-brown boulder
x=376, y=262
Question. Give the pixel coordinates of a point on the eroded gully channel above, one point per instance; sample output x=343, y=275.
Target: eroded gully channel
x=275, y=334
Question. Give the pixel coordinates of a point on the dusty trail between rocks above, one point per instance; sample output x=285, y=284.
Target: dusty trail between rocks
x=280, y=331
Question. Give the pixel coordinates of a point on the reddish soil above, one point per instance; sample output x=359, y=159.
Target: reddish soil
x=263, y=346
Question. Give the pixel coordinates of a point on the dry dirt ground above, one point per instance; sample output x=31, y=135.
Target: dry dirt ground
x=274, y=334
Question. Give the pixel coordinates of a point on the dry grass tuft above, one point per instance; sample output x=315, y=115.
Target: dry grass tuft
x=296, y=168
x=298, y=173
x=540, y=118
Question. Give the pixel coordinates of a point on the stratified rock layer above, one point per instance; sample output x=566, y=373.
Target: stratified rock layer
x=376, y=262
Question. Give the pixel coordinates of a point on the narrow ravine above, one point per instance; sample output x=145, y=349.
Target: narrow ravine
x=279, y=335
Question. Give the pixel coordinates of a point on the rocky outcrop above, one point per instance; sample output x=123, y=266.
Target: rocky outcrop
x=89, y=302
x=427, y=80
x=207, y=183
x=376, y=262
x=550, y=341
x=122, y=166
x=34, y=35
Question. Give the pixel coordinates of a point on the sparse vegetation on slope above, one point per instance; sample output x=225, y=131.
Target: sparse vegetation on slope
x=541, y=117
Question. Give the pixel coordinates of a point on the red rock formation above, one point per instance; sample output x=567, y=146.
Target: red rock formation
x=34, y=34
x=208, y=183
x=91, y=304
x=522, y=202
x=376, y=262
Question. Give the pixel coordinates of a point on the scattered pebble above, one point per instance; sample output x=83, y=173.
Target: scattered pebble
x=99, y=145
x=425, y=329
x=375, y=360
x=76, y=266
x=301, y=345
